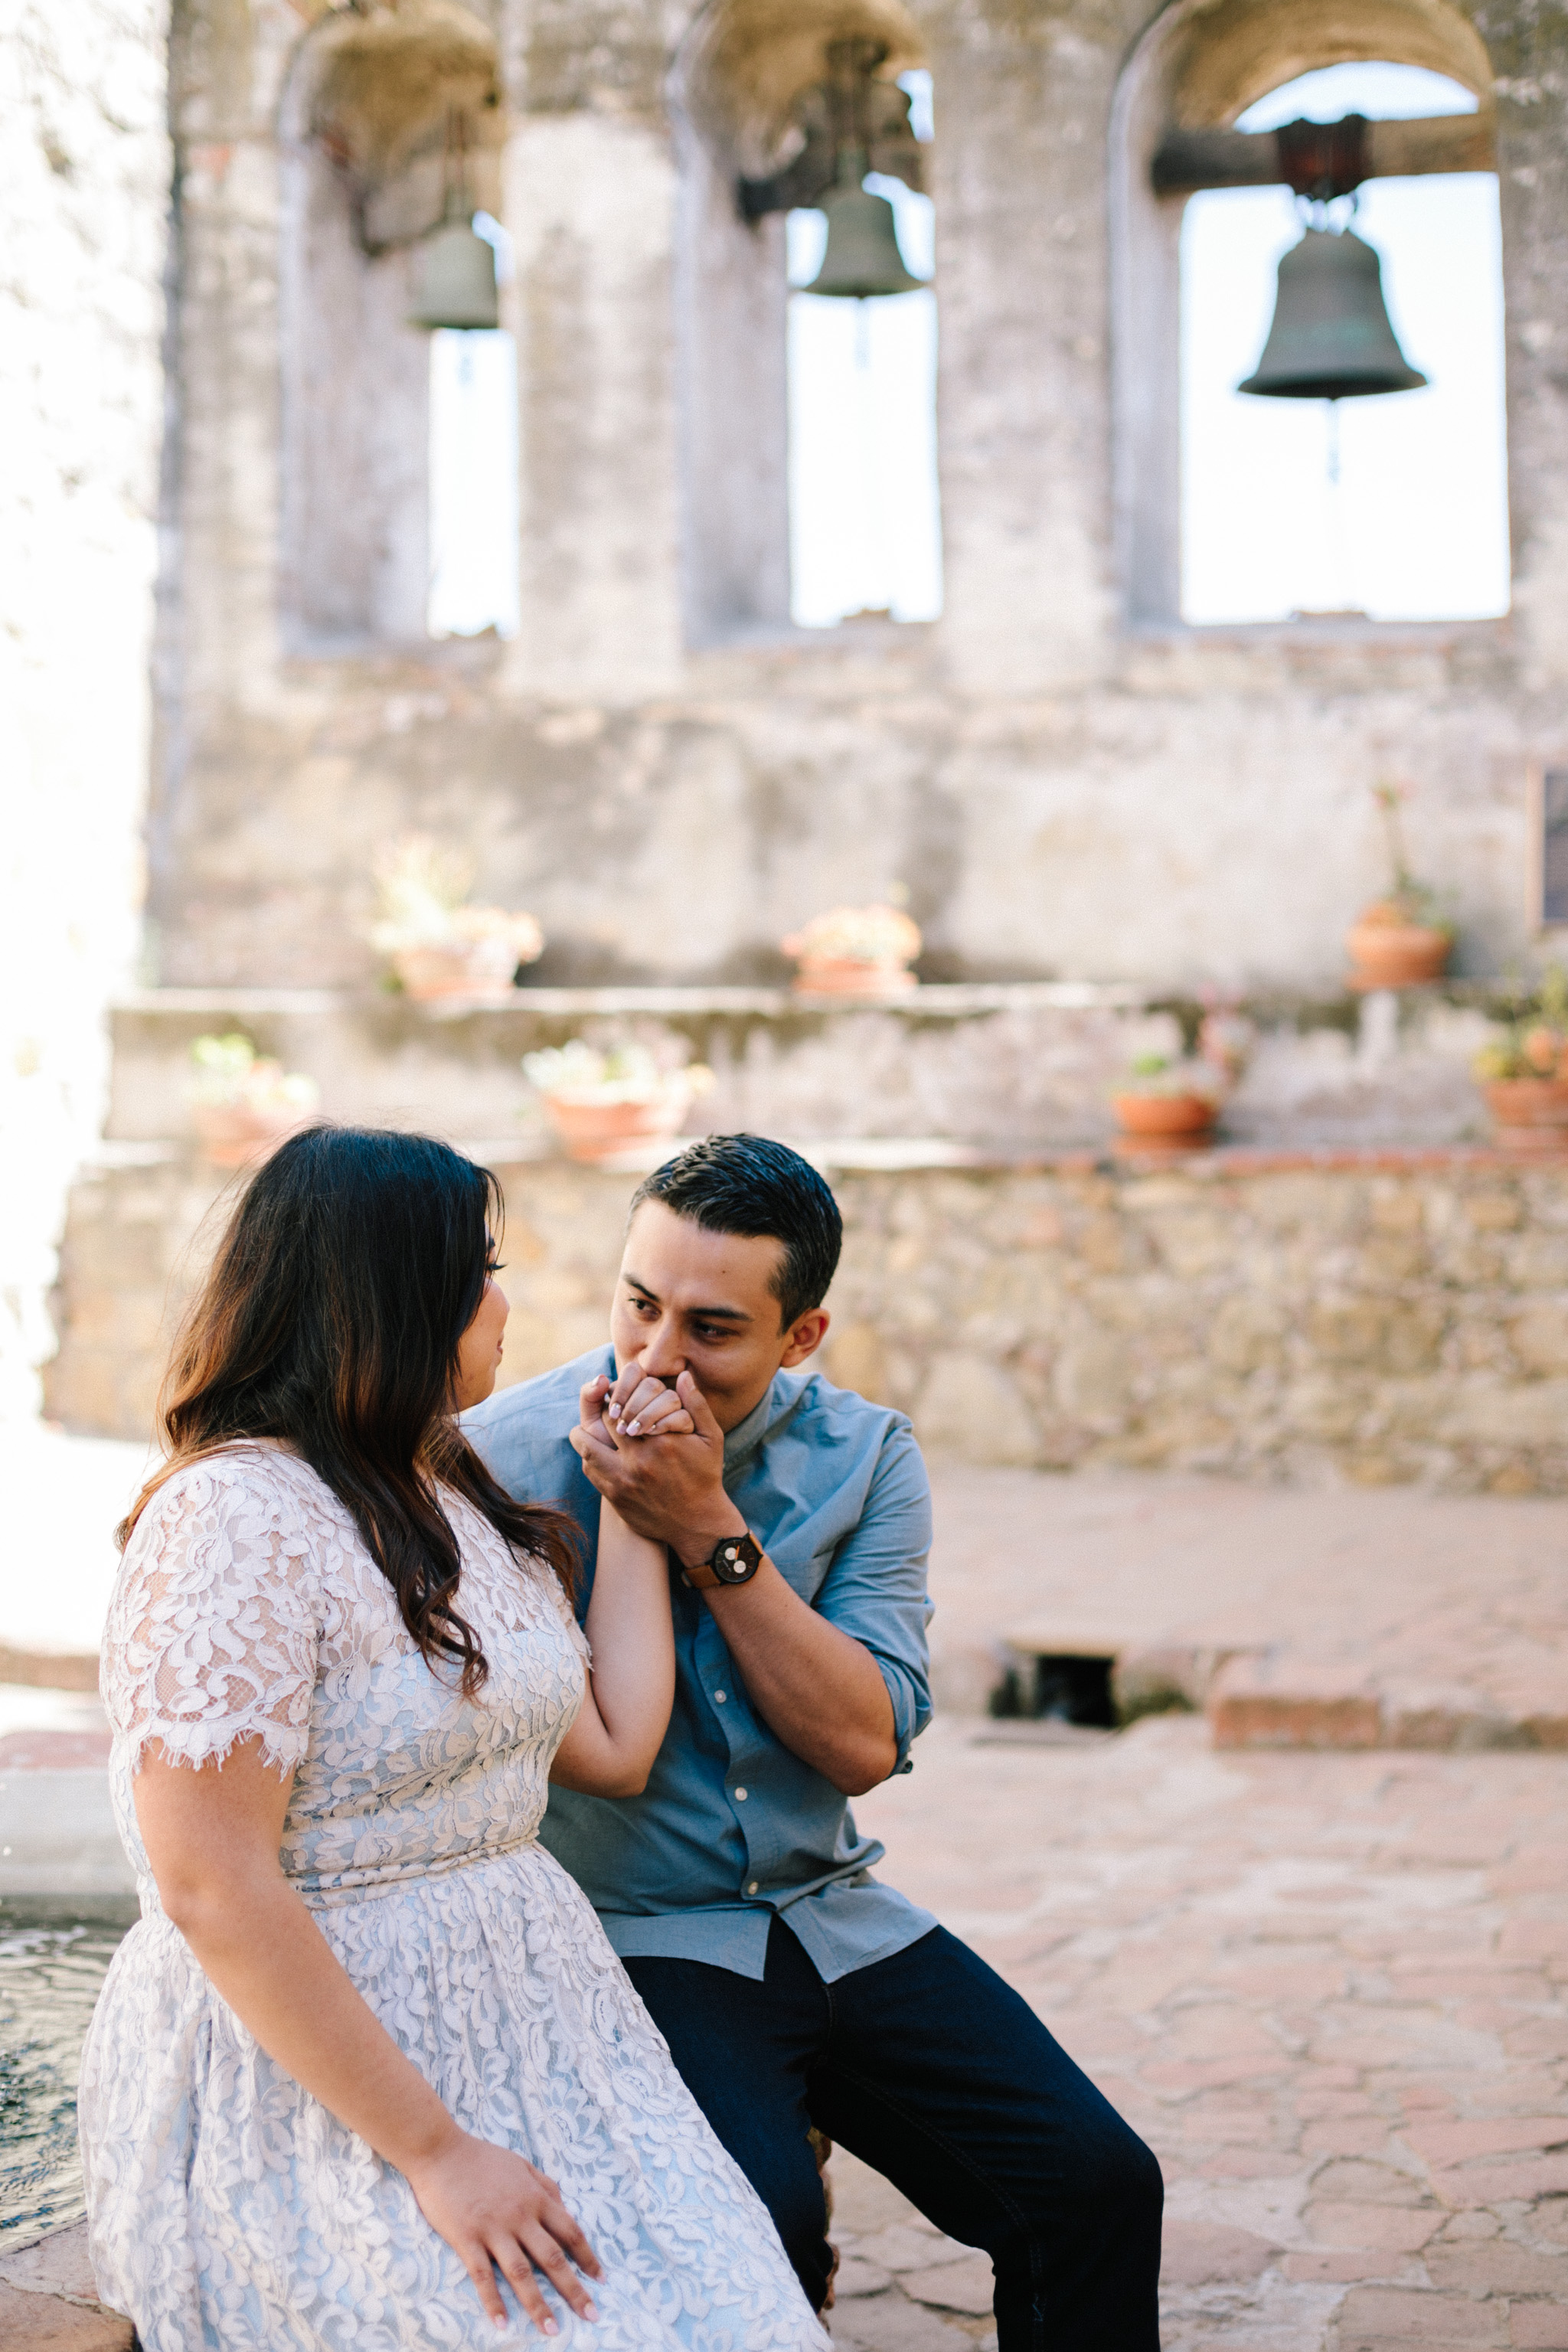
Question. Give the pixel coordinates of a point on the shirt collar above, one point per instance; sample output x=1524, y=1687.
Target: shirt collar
x=769, y=1414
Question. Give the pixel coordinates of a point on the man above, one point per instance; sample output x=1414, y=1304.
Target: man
x=794, y=1989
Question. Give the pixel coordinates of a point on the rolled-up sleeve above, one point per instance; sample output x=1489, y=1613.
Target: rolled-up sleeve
x=875, y=1592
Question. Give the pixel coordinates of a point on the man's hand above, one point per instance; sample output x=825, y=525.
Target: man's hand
x=818, y=1690
x=673, y=1491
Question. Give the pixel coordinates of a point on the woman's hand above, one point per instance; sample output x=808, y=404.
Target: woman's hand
x=638, y=1405
x=604, y=1419
x=498, y=2211
x=591, y=1417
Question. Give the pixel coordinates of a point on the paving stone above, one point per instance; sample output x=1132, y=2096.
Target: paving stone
x=1393, y=2228
x=967, y=2285
x=907, y=2245
x=1542, y=2325
x=855, y=2277
x=1195, y=2253
x=1411, y=2315
x=891, y=2323
x=1452, y=2143
x=1338, y=2265
x=1495, y=2266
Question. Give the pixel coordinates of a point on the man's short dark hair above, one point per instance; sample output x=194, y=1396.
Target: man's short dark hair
x=749, y=1184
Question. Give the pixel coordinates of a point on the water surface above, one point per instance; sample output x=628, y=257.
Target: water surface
x=53, y=1959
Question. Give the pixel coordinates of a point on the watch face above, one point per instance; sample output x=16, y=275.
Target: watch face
x=735, y=1560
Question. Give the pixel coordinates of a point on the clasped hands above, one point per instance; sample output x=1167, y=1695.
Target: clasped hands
x=656, y=1453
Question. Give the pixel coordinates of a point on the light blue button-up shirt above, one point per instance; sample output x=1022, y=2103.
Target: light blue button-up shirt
x=731, y=1827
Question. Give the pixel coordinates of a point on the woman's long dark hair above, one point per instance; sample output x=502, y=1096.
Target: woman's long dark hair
x=331, y=1317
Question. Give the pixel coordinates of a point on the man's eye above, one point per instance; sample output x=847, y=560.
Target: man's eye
x=707, y=1331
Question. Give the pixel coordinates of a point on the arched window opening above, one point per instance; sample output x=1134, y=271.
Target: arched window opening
x=400, y=399
x=1177, y=139
x=865, y=521
x=1391, y=506
x=807, y=420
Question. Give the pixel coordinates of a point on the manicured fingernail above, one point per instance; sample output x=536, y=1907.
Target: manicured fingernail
x=633, y=1428
x=590, y=2311
x=549, y=2328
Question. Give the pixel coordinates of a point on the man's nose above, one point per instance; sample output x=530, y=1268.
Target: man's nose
x=662, y=1355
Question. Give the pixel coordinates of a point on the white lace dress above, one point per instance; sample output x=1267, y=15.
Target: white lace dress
x=228, y=2209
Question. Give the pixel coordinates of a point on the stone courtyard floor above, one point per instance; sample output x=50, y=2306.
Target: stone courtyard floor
x=1332, y=1992
x=1331, y=1989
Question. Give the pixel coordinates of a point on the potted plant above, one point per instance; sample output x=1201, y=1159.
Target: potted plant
x=1405, y=938
x=1169, y=1101
x=436, y=945
x=855, y=951
x=602, y=1102
x=243, y=1103
x=1523, y=1074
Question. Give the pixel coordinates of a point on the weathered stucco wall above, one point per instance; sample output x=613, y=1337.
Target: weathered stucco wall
x=1062, y=793
x=1394, y=1320
x=84, y=191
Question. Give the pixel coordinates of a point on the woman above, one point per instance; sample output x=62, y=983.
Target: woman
x=367, y=2072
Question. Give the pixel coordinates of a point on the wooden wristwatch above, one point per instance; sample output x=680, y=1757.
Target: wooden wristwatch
x=734, y=1559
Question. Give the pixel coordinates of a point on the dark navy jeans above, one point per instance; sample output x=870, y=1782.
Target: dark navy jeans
x=939, y=2076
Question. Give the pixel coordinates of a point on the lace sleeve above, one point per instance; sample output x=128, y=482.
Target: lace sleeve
x=213, y=1631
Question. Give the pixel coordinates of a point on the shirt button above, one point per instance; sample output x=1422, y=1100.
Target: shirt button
x=753, y=1888
x=741, y=1795
x=719, y=1696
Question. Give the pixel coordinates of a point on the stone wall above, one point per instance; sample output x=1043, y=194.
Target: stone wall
x=1383, y=1318
x=84, y=196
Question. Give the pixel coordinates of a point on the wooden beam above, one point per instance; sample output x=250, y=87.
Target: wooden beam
x=1190, y=160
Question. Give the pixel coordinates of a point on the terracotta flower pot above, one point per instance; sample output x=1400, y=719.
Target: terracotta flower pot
x=598, y=1131
x=1162, y=1118
x=231, y=1134
x=1389, y=953
x=847, y=976
x=1529, y=1114
x=430, y=973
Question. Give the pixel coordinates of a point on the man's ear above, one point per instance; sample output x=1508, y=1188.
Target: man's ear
x=807, y=1334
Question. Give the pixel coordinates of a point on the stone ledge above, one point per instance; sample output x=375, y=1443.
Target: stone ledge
x=1286, y=1698
x=64, y=1670
x=48, y=2300
x=895, y=1154
x=936, y=998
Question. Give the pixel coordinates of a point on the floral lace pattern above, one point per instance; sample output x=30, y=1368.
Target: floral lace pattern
x=228, y=2209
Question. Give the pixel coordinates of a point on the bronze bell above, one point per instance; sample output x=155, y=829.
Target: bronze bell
x=862, y=253
x=1331, y=338
x=456, y=284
